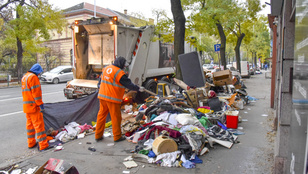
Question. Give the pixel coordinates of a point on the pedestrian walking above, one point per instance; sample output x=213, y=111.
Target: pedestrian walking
x=33, y=107
x=265, y=67
x=112, y=84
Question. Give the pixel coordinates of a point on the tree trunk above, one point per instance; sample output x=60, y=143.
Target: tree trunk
x=179, y=33
x=237, y=51
x=19, y=59
x=19, y=49
x=255, y=59
x=223, y=44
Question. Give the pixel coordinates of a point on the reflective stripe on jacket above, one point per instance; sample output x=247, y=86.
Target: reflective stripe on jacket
x=31, y=92
x=111, y=89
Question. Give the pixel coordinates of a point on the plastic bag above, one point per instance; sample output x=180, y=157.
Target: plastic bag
x=239, y=104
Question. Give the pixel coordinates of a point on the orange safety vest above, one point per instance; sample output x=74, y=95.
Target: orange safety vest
x=31, y=92
x=111, y=89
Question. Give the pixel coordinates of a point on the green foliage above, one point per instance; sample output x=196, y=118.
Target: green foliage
x=36, y=22
x=138, y=20
x=259, y=42
x=206, y=14
x=164, y=28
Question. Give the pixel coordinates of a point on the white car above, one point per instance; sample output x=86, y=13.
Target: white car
x=58, y=74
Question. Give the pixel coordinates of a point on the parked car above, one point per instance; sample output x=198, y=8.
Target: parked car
x=58, y=74
x=252, y=70
x=208, y=67
x=235, y=72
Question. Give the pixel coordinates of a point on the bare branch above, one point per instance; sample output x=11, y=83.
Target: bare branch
x=233, y=32
x=7, y=3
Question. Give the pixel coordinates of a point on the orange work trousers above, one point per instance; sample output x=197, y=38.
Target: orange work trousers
x=35, y=124
x=115, y=113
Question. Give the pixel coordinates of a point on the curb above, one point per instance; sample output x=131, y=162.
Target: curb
x=11, y=85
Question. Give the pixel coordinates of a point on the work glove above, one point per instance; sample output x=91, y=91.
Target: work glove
x=141, y=89
x=42, y=108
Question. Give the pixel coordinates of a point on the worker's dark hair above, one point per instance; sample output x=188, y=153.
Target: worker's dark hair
x=119, y=62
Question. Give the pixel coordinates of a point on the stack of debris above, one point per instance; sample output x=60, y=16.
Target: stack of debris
x=174, y=129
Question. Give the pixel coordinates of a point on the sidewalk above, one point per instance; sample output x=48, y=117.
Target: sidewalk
x=253, y=154
x=9, y=85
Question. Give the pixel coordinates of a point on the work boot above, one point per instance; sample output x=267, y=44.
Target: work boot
x=120, y=139
x=33, y=146
x=49, y=147
x=99, y=139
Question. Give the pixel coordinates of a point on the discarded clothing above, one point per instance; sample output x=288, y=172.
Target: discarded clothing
x=221, y=134
x=187, y=164
x=144, y=152
x=172, y=133
x=167, y=117
x=191, y=128
x=186, y=119
x=151, y=154
x=197, y=160
x=85, y=127
x=205, y=122
x=167, y=158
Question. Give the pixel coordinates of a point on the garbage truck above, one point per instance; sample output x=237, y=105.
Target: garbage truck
x=98, y=41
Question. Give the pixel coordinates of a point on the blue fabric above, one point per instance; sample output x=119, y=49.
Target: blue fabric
x=222, y=125
x=197, y=160
x=42, y=106
x=36, y=68
x=151, y=154
x=252, y=98
x=200, y=114
x=153, y=116
x=188, y=164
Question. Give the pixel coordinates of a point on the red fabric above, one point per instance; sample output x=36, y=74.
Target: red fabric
x=85, y=127
x=172, y=133
x=211, y=94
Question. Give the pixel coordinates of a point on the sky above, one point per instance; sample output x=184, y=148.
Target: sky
x=144, y=7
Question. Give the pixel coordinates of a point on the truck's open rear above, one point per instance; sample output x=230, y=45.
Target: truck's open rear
x=98, y=41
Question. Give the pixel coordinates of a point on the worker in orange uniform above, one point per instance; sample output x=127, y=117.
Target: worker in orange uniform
x=112, y=84
x=33, y=106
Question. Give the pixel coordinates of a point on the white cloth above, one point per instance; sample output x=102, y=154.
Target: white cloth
x=186, y=119
x=168, y=158
x=167, y=117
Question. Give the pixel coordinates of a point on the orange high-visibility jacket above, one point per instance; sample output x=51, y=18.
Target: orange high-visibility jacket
x=31, y=92
x=111, y=89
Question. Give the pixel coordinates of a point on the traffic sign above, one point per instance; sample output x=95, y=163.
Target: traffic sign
x=217, y=47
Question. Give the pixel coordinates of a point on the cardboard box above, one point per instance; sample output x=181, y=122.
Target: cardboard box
x=57, y=166
x=221, y=78
x=195, y=97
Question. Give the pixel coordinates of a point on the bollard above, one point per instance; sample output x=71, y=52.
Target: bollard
x=8, y=80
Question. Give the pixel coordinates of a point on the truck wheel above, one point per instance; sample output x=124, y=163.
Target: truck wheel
x=150, y=85
x=55, y=81
x=166, y=79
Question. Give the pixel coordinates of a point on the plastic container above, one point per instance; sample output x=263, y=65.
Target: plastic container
x=232, y=119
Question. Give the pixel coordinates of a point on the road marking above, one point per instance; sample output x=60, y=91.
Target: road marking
x=3, y=115
x=4, y=96
x=21, y=97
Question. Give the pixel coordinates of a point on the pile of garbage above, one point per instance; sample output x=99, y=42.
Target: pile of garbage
x=173, y=130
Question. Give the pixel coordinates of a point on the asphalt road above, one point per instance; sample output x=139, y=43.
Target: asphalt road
x=13, y=136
